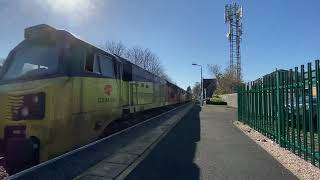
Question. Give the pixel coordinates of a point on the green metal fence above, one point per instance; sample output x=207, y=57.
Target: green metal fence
x=284, y=106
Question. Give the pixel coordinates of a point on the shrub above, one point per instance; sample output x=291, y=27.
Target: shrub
x=216, y=100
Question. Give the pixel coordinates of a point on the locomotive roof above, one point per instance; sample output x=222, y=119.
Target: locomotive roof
x=46, y=31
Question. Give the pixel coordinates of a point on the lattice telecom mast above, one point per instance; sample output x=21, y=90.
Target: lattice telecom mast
x=233, y=16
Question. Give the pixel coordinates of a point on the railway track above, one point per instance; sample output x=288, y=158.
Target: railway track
x=71, y=164
x=136, y=118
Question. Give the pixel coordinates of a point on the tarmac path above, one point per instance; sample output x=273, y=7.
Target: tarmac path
x=206, y=145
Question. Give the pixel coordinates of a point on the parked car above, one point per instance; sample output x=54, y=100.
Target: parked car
x=307, y=107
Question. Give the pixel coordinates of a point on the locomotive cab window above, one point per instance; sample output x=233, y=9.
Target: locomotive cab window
x=92, y=63
x=33, y=60
x=107, y=66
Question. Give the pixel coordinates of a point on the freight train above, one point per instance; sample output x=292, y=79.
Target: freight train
x=58, y=92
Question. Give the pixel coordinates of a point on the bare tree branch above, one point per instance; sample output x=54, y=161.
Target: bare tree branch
x=196, y=90
x=142, y=57
x=117, y=48
x=226, y=80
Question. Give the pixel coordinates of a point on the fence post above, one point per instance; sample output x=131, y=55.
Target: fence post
x=249, y=104
x=279, y=108
x=297, y=97
x=274, y=107
x=311, y=125
x=293, y=141
x=239, y=102
x=304, y=110
x=269, y=107
x=318, y=108
x=265, y=114
x=287, y=133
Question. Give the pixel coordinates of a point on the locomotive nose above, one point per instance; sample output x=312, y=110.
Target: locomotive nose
x=19, y=150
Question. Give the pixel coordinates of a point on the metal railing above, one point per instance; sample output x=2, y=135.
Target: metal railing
x=285, y=107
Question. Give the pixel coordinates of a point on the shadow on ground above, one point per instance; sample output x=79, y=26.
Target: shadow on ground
x=173, y=157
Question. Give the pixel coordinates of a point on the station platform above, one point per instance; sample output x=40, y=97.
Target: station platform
x=187, y=143
x=206, y=145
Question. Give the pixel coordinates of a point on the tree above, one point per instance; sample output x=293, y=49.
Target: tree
x=146, y=59
x=226, y=81
x=142, y=57
x=196, y=90
x=165, y=76
x=117, y=48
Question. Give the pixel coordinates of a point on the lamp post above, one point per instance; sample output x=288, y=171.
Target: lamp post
x=201, y=83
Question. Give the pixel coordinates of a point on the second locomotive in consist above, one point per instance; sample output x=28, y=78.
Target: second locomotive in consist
x=58, y=92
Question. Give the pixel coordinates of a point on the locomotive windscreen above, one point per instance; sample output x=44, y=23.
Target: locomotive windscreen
x=30, y=61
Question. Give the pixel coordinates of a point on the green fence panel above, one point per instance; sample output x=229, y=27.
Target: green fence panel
x=285, y=107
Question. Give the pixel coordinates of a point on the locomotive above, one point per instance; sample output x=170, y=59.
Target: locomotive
x=58, y=92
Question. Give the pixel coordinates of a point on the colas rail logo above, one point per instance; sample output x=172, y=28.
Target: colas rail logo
x=108, y=89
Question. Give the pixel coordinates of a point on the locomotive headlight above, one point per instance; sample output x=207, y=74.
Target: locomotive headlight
x=35, y=99
x=31, y=108
x=24, y=112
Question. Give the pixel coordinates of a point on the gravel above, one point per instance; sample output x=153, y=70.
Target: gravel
x=299, y=167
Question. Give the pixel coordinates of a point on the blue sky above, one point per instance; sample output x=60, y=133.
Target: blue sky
x=277, y=34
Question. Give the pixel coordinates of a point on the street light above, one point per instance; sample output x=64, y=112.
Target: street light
x=194, y=64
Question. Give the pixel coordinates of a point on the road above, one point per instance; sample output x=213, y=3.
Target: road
x=206, y=145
